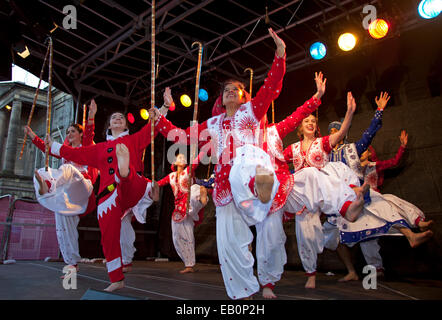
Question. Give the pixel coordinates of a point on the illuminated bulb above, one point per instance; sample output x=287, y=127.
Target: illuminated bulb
x=185, y=100
x=144, y=114
x=347, y=41
x=378, y=28
x=318, y=50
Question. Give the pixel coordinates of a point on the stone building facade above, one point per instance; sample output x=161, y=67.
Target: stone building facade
x=16, y=101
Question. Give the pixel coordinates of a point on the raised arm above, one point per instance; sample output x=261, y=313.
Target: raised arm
x=175, y=134
x=89, y=130
x=375, y=125
x=168, y=102
x=89, y=156
x=385, y=164
x=336, y=137
x=290, y=123
x=39, y=143
x=142, y=138
x=164, y=181
x=273, y=83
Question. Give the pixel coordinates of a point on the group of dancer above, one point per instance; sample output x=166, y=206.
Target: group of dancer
x=252, y=185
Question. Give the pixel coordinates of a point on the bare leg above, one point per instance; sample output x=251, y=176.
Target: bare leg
x=43, y=186
x=187, y=270
x=123, y=158
x=203, y=195
x=416, y=239
x=344, y=254
x=263, y=183
x=267, y=293
x=311, y=282
x=115, y=285
x=355, y=208
x=127, y=269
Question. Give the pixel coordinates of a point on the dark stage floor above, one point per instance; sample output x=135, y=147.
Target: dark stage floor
x=39, y=280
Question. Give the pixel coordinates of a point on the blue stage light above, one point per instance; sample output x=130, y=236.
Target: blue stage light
x=429, y=9
x=318, y=50
x=203, y=95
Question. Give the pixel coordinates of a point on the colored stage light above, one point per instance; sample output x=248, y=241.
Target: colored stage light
x=130, y=118
x=172, y=107
x=318, y=50
x=144, y=114
x=378, y=28
x=429, y=9
x=347, y=41
x=203, y=95
x=185, y=100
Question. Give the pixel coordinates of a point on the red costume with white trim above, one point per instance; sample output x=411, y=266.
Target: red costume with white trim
x=123, y=193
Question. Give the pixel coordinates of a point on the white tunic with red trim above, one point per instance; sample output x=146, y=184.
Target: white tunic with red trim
x=315, y=156
x=230, y=133
x=236, y=131
x=180, y=187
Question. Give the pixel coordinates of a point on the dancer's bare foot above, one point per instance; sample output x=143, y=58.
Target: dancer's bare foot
x=115, y=286
x=311, y=282
x=264, y=183
x=425, y=225
x=203, y=195
x=123, y=158
x=187, y=270
x=155, y=192
x=351, y=276
x=43, y=187
x=267, y=293
x=416, y=239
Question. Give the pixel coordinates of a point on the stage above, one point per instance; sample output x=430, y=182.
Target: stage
x=150, y=280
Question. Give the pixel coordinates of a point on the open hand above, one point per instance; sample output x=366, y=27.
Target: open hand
x=351, y=103
x=382, y=100
x=92, y=109
x=403, y=138
x=320, y=84
x=168, y=100
x=280, y=45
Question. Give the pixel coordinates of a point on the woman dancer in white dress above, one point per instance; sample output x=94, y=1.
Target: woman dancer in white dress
x=311, y=152
x=68, y=190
